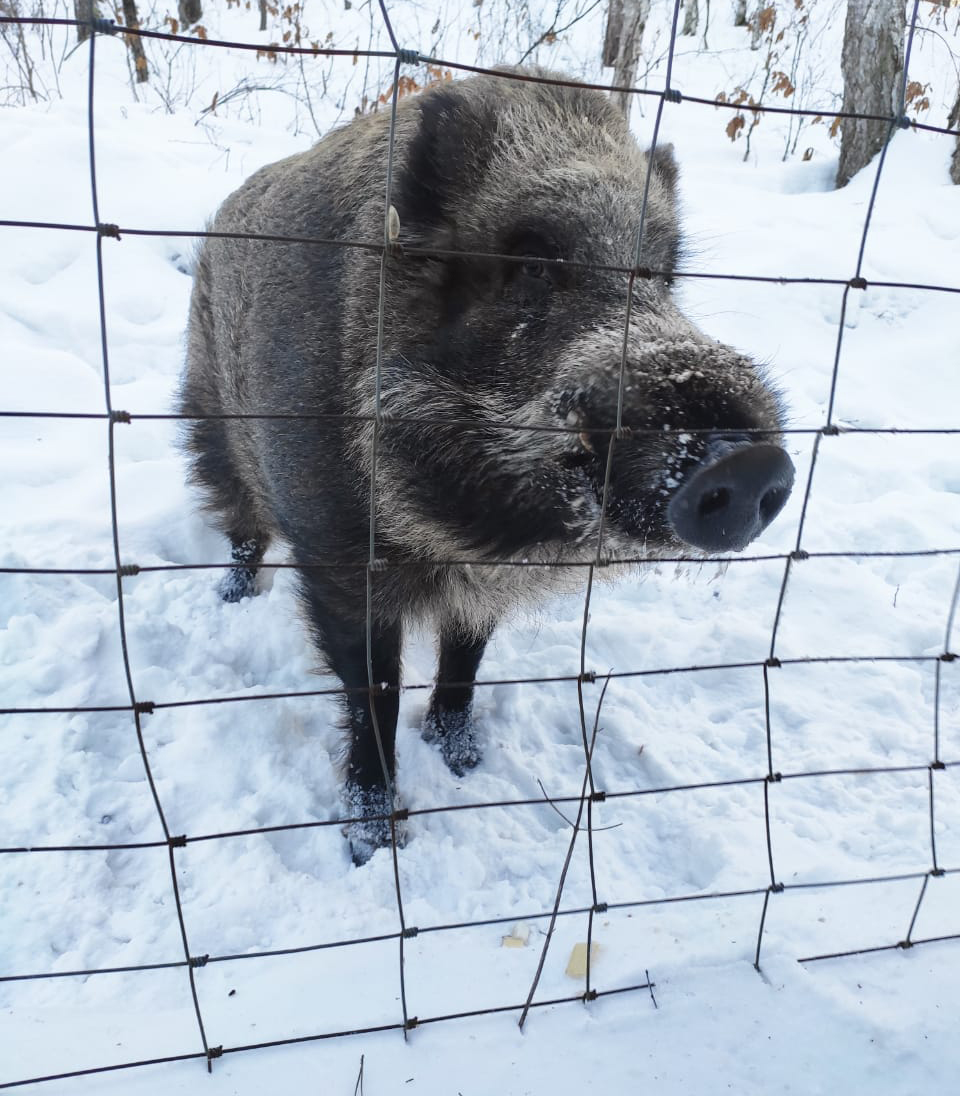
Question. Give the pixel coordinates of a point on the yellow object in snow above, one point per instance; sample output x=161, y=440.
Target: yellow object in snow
x=577, y=963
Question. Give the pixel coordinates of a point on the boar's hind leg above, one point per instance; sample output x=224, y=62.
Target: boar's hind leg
x=214, y=469
x=247, y=554
x=448, y=720
x=342, y=641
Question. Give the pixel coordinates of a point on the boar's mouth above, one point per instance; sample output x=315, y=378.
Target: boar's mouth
x=589, y=466
x=630, y=508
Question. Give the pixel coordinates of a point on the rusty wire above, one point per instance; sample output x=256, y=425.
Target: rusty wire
x=590, y=796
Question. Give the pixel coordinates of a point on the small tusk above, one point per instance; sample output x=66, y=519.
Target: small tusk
x=585, y=442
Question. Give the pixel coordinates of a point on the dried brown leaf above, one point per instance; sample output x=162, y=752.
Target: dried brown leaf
x=736, y=123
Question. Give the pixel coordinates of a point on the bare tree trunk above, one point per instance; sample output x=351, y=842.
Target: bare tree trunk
x=190, y=12
x=872, y=69
x=954, y=123
x=691, y=17
x=740, y=14
x=263, y=14
x=621, y=45
x=84, y=11
x=135, y=42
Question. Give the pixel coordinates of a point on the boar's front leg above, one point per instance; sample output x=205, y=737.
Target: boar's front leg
x=341, y=637
x=449, y=718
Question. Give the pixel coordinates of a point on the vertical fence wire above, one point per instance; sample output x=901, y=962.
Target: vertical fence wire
x=372, y=563
x=137, y=711
x=575, y=830
x=948, y=656
x=936, y=765
x=856, y=282
x=615, y=437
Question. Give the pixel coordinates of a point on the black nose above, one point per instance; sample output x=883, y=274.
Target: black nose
x=729, y=501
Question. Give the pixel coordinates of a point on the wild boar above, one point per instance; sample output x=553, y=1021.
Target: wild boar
x=500, y=376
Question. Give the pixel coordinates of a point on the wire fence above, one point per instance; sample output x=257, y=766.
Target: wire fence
x=583, y=804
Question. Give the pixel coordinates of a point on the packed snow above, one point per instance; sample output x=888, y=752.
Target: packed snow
x=882, y=1022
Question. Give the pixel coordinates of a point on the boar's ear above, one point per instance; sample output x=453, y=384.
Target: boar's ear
x=665, y=165
x=446, y=156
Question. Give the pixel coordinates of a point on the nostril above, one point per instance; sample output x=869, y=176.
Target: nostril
x=772, y=503
x=712, y=502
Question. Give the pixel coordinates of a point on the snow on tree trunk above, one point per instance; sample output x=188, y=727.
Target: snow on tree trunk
x=135, y=42
x=691, y=17
x=954, y=123
x=756, y=22
x=84, y=11
x=740, y=13
x=190, y=12
x=621, y=45
x=873, y=47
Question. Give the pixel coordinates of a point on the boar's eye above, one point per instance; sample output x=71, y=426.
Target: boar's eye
x=531, y=274
x=531, y=281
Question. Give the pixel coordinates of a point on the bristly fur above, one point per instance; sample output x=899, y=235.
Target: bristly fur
x=486, y=165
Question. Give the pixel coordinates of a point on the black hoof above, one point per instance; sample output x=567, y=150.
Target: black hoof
x=454, y=734
x=241, y=580
x=371, y=807
x=237, y=583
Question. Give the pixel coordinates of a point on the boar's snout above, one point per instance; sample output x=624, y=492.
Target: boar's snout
x=732, y=495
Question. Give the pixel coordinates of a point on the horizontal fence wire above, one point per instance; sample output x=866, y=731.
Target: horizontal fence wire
x=486, y=922
x=413, y=57
x=410, y=1025
x=769, y=887
x=418, y=420
x=147, y=707
x=640, y=272
x=601, y=796
x=130, y=570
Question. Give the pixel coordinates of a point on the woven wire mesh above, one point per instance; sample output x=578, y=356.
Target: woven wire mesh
x=581, y=807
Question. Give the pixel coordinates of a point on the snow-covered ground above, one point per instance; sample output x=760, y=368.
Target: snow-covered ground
x=878, y=1023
